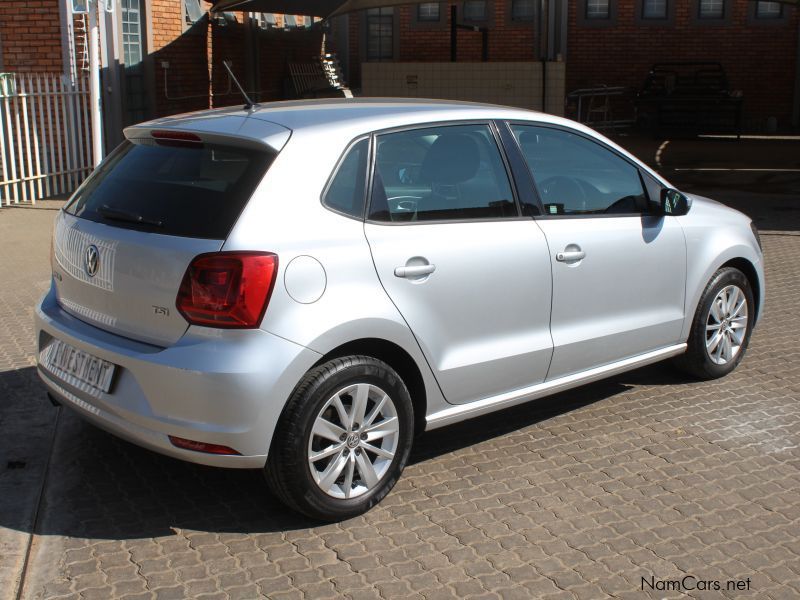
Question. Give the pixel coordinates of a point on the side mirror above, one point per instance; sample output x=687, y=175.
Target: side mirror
x=673, y=203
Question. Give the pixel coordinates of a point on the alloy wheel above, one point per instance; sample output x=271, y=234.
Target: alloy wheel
x=726, y=324
x=353, y=440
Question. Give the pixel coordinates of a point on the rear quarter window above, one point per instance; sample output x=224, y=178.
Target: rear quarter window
x=192, y=190
x=346, y=191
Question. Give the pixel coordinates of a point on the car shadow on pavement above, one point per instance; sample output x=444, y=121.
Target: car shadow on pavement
x=475, y=431
x=101, y=487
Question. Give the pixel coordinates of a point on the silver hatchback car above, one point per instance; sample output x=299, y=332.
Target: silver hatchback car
x=302, y=287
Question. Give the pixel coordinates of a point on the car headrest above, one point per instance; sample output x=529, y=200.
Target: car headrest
x=452, y=158
x=528, y=137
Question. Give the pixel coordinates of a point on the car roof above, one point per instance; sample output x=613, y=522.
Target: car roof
x=273, y=123
x=359, y=115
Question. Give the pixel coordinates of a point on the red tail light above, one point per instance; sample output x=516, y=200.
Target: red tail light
x=227, y=289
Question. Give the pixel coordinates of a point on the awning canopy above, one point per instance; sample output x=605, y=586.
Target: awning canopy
x=314, y=8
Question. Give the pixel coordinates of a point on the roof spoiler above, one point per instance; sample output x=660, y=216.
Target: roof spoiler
x=230, y=129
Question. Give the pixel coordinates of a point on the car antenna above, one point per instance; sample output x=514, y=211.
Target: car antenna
x=249, y=104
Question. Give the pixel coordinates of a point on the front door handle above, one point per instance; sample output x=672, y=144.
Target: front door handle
x=570, y=255
x=414, y=271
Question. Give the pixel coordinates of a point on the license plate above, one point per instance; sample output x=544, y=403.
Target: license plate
x=63, y=359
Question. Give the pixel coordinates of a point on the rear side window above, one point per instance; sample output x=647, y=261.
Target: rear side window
x=187, y=190
x=345, y=194
x=440, y=173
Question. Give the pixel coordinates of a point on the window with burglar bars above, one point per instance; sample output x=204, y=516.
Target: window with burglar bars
x=380, y=34
x=711, y=9
x=597, y=9
x=769, y=10
x=522, y=10
x=428, y=12
x=133, y=53
x=654, y=9
x=192, y=12
x=475, y=10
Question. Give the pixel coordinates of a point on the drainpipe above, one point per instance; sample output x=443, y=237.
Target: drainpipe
x=796, y=107
x=453, y=33
x=94, y=83
x=544, y=40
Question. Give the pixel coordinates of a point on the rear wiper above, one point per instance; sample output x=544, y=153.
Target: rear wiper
x=115, y=214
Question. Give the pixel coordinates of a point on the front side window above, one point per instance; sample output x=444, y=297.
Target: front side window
x=654, y=9
x=576, y=176
x=345, y=193
x=598, y=9
x=711, y=9
x=380, y=34
x=522, y=10
x=769, y=10
x=440, y=173
x=428, y=12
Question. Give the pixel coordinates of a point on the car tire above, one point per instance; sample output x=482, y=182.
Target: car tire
x=321, y=408
x=705, y=356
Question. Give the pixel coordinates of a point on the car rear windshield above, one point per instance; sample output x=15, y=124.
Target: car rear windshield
x=189, y=190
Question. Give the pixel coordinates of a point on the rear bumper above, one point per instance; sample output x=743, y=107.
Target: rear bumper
x=225, y=387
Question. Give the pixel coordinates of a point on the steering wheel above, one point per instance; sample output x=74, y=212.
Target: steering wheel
x=563, y=190
x=626, y=204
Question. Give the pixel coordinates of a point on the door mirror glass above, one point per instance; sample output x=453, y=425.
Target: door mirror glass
x=673, y=202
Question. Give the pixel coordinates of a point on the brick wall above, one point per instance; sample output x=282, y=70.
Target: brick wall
x=276, y=50
x=179, y=61
x=759, y=59
x=508, y=41
x=30, y=35
x=196, y=77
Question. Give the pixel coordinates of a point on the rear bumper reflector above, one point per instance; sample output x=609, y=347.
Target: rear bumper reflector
x=196, y=446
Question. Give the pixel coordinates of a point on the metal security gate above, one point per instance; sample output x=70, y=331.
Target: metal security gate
x=45, y=135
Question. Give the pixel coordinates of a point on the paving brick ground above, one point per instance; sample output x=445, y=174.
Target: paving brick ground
x=647, y=475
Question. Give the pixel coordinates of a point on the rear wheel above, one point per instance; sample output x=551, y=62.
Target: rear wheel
x=342, y=440
x=721, y=328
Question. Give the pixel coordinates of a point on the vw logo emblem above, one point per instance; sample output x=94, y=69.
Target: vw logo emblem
x=92, y=260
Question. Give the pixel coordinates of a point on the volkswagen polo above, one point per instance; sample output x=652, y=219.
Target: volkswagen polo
x=303, y=287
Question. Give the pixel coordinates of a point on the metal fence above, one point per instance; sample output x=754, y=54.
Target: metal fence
x=45, y=135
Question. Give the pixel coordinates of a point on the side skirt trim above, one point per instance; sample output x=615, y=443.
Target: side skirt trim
x=461, y=412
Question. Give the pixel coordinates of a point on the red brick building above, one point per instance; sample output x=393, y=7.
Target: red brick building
x=165, y=56
x=30, y=36
x=610, y=42
x=158, y=57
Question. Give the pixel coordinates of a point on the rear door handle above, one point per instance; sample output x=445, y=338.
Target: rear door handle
x=570, y=255
x=414, y=271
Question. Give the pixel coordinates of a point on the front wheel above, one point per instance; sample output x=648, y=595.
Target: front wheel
x=722, y=326
x=343, y=439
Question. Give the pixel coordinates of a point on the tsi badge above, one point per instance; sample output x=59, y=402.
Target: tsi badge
x=92, y=260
